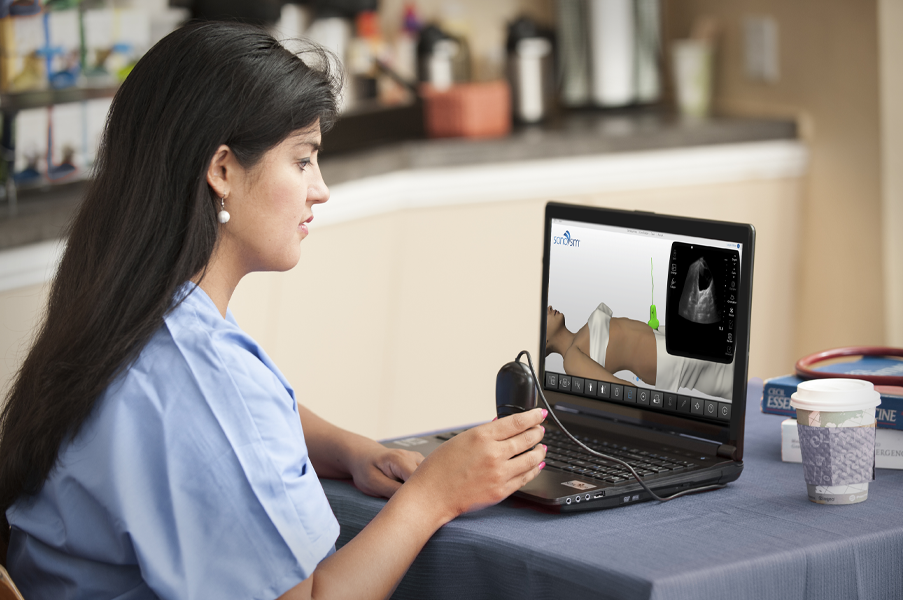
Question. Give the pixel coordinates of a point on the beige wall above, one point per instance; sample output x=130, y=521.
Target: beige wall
x=829, y=79
x=20, y=311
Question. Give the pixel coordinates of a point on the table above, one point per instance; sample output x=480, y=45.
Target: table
x=759, y=538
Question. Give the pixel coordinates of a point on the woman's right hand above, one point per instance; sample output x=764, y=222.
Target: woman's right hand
x=477, y=468
x=483, y=465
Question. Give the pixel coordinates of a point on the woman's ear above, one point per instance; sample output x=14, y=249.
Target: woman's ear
x=222, y=171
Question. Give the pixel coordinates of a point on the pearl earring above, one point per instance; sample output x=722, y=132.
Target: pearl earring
x=222, y=216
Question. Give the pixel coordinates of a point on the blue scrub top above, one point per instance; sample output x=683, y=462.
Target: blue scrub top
x=189, y=480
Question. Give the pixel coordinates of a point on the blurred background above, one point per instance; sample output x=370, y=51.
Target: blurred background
x=460, y=119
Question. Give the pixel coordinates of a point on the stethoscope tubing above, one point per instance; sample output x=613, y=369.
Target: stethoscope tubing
x=804, y=365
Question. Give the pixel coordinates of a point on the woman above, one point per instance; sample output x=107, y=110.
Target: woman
x=149, y=447
x=609, y=344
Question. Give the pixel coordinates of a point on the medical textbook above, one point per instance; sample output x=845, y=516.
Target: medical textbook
x=776, y=391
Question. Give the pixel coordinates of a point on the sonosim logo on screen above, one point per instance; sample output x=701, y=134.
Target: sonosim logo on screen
x=565, y=240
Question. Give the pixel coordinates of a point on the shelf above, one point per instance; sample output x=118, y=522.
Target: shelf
x=370, y=124
x=16, y=101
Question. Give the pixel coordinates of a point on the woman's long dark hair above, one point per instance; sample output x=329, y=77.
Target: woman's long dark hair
x=148, y=222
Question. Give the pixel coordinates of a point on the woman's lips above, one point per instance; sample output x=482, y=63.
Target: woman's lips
x=303, y=226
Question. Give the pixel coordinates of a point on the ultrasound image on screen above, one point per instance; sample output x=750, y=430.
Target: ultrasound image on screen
x=702, y=302
x=697, y=300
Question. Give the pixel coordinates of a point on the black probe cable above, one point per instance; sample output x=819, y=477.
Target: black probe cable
x=639, y=479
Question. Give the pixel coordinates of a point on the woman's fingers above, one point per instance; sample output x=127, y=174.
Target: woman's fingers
x=383, y=471
x=524, y=468
x=526, y=440
x=522, y=464
x=400, y=464
x=511, y=426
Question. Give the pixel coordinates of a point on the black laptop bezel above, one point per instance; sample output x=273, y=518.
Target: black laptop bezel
x=729, y=434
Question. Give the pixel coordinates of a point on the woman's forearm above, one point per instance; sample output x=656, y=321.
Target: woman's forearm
x=372, y=564
x=330, y=448
x=477, y=468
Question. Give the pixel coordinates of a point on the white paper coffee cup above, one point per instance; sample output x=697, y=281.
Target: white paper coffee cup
x=836, y=425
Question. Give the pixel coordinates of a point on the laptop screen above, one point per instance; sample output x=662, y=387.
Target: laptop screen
x=645, y=318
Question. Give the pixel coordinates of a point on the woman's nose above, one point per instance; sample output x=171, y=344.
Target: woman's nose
x=318, y=193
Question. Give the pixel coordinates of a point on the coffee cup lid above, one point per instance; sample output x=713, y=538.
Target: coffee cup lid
x=835, y=395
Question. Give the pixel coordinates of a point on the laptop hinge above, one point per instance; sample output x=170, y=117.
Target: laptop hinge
x=727, y=451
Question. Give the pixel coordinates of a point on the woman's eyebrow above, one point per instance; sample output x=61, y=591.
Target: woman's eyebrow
x=314, y=146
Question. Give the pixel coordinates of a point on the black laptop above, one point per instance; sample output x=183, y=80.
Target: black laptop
x=644, y=348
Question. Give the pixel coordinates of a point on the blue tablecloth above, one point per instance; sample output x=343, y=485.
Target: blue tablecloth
x=759, y=538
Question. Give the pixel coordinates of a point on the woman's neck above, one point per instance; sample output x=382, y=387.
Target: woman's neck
x=561, y=341
x=219, y=281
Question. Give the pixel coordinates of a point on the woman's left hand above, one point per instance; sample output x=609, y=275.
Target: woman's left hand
x=338, y=454
x=380, y=471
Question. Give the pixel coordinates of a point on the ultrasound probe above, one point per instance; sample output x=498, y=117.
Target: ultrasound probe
x=515, y=391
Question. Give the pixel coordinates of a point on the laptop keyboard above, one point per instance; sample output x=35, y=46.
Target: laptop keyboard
x=564, y=455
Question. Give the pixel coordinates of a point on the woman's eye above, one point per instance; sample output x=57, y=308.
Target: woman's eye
x=303, y=163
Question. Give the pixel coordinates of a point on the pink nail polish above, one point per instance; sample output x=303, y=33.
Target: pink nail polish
x=542, y=465
x=545, y=448
x=545, y=413
x=495, y=418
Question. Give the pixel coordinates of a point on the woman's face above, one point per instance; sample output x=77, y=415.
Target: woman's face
x=554, y=324
x=272, y=204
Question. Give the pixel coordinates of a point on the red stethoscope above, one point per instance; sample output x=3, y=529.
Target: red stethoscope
x=804, y=365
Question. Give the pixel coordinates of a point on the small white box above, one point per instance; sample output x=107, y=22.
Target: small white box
x=888, y=446
x=31, y=139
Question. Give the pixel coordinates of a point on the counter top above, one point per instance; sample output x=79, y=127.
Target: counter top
x=41, y=215
x=578, y=134
x=44, y=215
